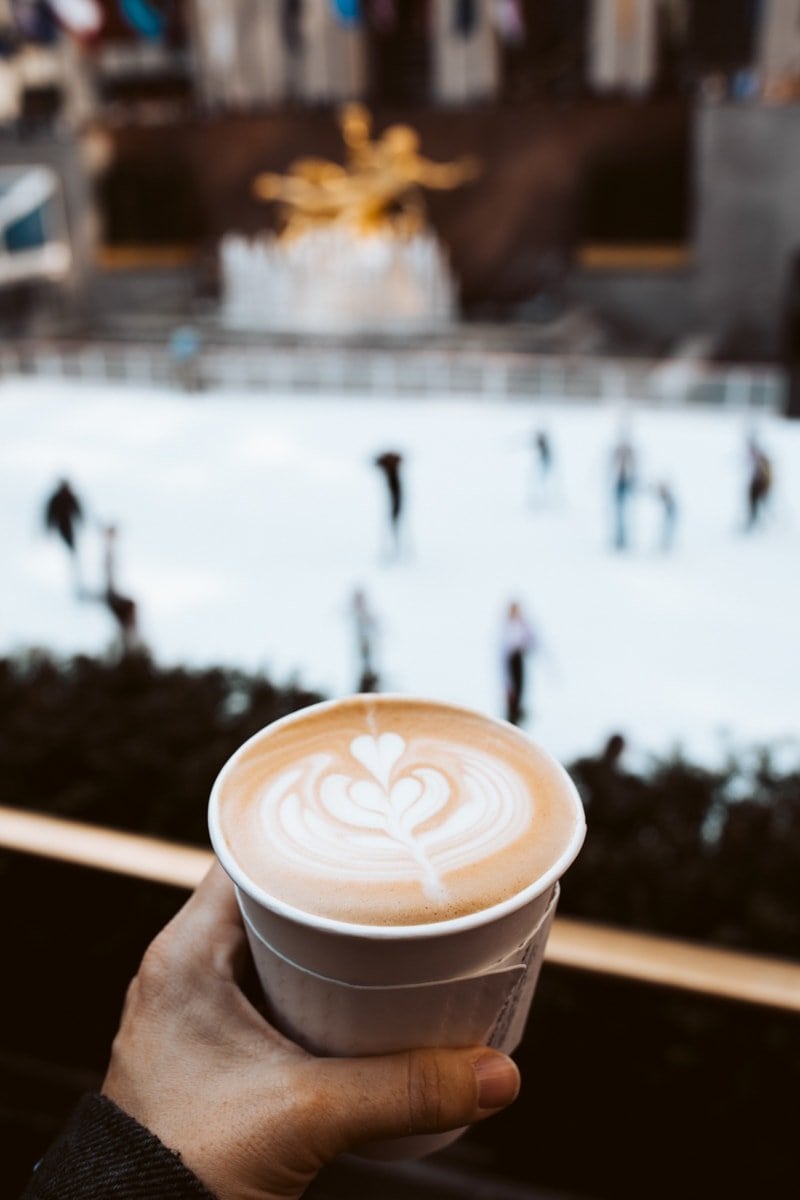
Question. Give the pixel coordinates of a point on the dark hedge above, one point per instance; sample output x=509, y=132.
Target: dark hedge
x=712, y=855
x=707, y=854
x=127, y=743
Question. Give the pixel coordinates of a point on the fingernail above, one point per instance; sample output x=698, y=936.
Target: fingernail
x=498, y=1081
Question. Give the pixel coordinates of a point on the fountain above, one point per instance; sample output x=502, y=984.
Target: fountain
x=355, y=252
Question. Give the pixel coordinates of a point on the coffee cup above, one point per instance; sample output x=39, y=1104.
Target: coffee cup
x=396, y=863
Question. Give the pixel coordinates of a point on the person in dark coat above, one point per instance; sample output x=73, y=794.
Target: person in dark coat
x=517, y=642
x=63, y=514
x=389, y=463
x=759, y=482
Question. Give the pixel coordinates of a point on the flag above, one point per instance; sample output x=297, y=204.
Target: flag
x=465, y=17
x=145, y=16
x=34, y=21
x=84, y=18
x=509, y=21
x=384, y=15
x=291, y=25
x=348, y=11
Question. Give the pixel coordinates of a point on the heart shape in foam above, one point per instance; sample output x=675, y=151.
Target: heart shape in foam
x=378, y=755
x=396, y=799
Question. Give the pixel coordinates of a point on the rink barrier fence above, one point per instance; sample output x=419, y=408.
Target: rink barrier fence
x=576, y=944
x=383, y=372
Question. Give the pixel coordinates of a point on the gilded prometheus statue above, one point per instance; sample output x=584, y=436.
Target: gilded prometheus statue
x=378, y=189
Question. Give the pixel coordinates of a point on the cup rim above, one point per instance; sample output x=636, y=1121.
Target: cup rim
x=382, y=933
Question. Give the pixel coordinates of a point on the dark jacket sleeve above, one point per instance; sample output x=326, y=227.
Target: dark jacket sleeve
x=102, y=1153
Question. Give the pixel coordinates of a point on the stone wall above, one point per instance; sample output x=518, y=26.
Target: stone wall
x=747, y=171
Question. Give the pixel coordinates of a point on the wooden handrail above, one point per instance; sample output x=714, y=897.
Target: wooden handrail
x=582, y=945
x=102, y=848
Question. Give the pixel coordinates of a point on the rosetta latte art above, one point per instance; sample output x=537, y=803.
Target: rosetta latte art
x=392, y=814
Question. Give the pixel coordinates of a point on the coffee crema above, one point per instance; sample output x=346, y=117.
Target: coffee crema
x=379, y=810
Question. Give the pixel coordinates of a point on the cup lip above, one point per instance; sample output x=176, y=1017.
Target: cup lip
x=382, y=933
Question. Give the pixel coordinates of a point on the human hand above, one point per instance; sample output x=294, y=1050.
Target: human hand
x=250, y=1113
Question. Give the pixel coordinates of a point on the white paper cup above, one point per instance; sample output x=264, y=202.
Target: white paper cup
x=346, y=989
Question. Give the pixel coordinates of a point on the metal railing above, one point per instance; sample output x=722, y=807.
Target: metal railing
x=581, y=945
x=333, y=369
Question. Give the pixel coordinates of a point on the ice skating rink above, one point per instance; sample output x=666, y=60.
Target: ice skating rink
x=247, y=521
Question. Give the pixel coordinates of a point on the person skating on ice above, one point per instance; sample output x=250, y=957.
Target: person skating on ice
x=63, y=515
x=365, y=626
x=668, y=505
x=389, y=464
x=517, y=642
x=623, y=468
x=542, y=445
x=759, y=482
x=121, y=607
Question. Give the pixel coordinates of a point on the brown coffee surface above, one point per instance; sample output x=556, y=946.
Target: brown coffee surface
x=385, y=811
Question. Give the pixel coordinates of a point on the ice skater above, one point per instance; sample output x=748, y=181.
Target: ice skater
x=389, y=463
x=63, y=515
x=759, y=483
x=184, y=350
x=122, y=608
x=109, y=534
x=365, y=626
x=623, y=466
x=124, y=611
x=517, y=642
x=542, y=446
x=668, y=505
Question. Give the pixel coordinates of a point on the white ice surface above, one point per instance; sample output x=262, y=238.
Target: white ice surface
x=246, y=521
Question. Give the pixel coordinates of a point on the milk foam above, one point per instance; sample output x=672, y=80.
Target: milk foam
x=387, y=813
x=382, y=811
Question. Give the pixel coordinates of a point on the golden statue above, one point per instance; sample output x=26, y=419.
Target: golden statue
x=378, y=189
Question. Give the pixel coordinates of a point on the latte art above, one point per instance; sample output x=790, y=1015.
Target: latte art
x=384, y=811
x=396, y=816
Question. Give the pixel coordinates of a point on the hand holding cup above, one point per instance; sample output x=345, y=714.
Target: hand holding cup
x=251, y=1113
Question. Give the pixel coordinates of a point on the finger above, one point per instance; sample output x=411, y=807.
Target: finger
x=208, y=930
x=420, y=1091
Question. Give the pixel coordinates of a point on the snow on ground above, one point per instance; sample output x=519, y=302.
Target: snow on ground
x=246, y=521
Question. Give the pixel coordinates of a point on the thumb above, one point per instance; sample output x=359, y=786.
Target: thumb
x=418, y=1091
